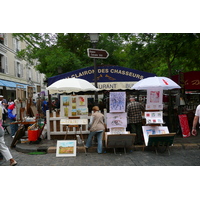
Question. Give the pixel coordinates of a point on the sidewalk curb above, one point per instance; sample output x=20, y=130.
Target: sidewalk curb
x=52, y=149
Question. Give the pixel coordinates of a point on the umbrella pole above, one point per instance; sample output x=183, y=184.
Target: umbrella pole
x=50, y=105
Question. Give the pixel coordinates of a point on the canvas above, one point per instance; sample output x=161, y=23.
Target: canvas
x=66, y=148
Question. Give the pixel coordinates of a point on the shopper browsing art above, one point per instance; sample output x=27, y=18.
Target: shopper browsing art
x=96, y=127
x=134, y=113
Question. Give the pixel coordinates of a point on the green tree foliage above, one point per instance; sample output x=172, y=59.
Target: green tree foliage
x=164, y=54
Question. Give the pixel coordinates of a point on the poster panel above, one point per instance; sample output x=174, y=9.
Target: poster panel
x=116, y=120
x=66, y=148
x=117, y=101
x=154, y=99
x=154, y=117
x=74, y=105
x=184, y=125
x=153, y=130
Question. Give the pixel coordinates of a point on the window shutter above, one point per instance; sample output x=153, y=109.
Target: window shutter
x=5, y=39
x=22, y=70
x=6, y=65
x=15, y=68
x=19, y=45
x=14, y=44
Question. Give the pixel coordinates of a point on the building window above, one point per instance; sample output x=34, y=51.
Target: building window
x=18, y=69
x=17, y=44
x=3, y=64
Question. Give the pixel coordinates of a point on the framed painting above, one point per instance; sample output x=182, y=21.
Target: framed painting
x=117, y=101
x=66, y=148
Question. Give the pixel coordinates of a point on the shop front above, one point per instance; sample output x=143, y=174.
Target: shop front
x=109, y=78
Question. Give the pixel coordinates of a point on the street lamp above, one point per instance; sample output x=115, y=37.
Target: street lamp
x=94, y=38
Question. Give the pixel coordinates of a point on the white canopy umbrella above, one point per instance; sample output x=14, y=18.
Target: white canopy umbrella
x=156, y=82
x=69, y=85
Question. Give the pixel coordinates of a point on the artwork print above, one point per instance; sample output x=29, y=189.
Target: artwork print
x=154, y=96
x=116, y=120
x=153, y=130
x=117, y=101
x=66, y=148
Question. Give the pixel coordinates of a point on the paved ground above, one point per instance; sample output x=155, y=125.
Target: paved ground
x=178, y=157
x=136, y=158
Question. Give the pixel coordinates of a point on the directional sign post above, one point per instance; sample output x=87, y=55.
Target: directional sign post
x=97, y=53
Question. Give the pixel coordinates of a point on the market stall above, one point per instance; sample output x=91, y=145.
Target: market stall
x=155, y=134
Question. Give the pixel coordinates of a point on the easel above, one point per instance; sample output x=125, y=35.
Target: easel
x=75, y=122
x=119, y=141
x=162, y=140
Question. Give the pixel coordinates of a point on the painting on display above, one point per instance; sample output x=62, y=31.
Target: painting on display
x=66, y=148
x=116, y=120
x=153, y=117
x=74, y=105
x=117, y=101
x=153, y=130
x=154, y=99
x=118, y=130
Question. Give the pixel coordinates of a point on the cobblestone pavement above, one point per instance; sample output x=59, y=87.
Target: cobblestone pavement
x=178, y=157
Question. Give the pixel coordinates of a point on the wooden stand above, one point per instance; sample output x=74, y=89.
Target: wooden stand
x=119, y=141
x=73, y=122
x=161, y=140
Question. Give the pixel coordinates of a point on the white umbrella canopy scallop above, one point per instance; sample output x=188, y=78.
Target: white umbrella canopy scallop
x=156, y=82
x=68, y=85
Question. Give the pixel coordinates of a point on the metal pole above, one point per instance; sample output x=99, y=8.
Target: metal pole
x=95, y=78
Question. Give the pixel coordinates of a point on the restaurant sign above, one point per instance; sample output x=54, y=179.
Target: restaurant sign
x=108, y=77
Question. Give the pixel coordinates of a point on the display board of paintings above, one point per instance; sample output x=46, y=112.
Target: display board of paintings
x=154, y=117
x=153, y=130
x=66, y=148
x=117, y=101
x=116, y=120
x=73, y=105
x=154, y=99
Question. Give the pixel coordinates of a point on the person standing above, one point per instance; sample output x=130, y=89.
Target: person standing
x=3, y=103
x=45, y=106
x=134, y=113
x=96, y=127
x=196, y=120
x=12, y=115
x=3, y=148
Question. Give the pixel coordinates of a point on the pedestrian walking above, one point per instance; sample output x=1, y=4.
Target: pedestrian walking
x=3, y=104
x=3, y=148
x=195, y=121
x=96, y=127
x=134, y=113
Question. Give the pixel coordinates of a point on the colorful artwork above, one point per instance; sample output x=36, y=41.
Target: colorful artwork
x=74, y=105
x=154, y=106
x=154, y=96
x=81, y=101
x=82, y=111
x=153, y=117
x=118, y=130
x=116, y=120
x=66, y=148
x=153, y=130
x=65, y=101
x=117, y=101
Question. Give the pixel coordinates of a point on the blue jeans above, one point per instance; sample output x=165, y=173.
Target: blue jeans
x=13, y=128
x=99, y=135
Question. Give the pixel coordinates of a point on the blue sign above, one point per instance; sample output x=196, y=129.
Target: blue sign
x=104, y=74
